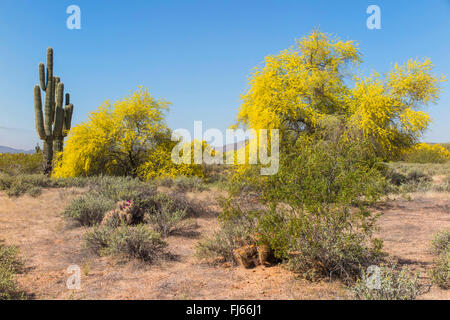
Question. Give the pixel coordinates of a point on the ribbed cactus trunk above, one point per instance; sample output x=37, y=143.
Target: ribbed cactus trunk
x=53, y=123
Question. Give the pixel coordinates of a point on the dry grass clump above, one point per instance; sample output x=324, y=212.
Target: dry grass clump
x=388, y=283
x=418, y=177
x=126, y=242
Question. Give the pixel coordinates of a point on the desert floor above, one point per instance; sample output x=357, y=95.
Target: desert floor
x=50, y=245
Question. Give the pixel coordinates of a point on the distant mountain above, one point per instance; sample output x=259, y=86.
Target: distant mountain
x=232, y=146
x=4, y=149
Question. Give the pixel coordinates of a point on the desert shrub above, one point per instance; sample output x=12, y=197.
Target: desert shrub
x=317, y=245
x=442, y=187
x=89, y=210
x=224, y=241
x=108, y=193
x=416, y=176
x=316, y=213
x=10, y=264
x=393, y=285
x=319, y=219
x=176, y=201
x=394, y=177
x=136, y=242
x=124, y=189
x=78, y=182
x=237, y=228
x=164, y=182
x=427, y=153
x=127, y=242
x=144, y=196
x=171, y=213
x=98, y=238
x=118, y=188
x=217, y=174
x=31, y=184
x=168, y=216
x=429, y=169
x=185, y=184
x=441, y=242
x=440, y=273
x=417, y=180
x=20, y=163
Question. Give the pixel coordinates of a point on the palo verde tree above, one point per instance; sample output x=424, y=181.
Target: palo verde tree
x=127, y=137
x=52, y=124
x=117, y=139
x=298, y=89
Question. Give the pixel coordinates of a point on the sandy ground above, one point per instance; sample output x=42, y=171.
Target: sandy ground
x=49, y=246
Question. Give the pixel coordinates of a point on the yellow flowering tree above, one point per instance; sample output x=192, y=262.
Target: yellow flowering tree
x=117, y=139
x=297, y=89
x=160, y=164
x=427, y=153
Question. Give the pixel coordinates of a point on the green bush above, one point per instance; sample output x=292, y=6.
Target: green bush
x=127, y=242
x=394, y=177
x=20, y=163
x=31, y=184
x=314, y=213
x=186, y=184
x=237, y=228
x=10, y=264
x=97, y=239
x=393, y=285
x=417, y=176
x=319, y=219
x=89, y=210
x=164, y=182
x=441, y=242
x=320, y=245
x=126, y=188
x=440, y=273
x=223, y=242
x=168, y=216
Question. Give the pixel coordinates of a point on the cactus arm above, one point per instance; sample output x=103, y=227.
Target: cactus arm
x=68, y=111
x=55, y=83
x=49, y=64
x=60, y=94
x=48, y=109
x=67, y=99
x=42, y=77
x=59, y=112
x=39, y=117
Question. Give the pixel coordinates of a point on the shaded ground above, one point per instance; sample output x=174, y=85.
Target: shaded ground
x=49, y=246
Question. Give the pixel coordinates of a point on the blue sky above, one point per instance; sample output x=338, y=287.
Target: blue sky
x=196, y=54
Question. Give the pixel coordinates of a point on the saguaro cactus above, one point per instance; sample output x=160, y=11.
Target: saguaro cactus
x=52, y=124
